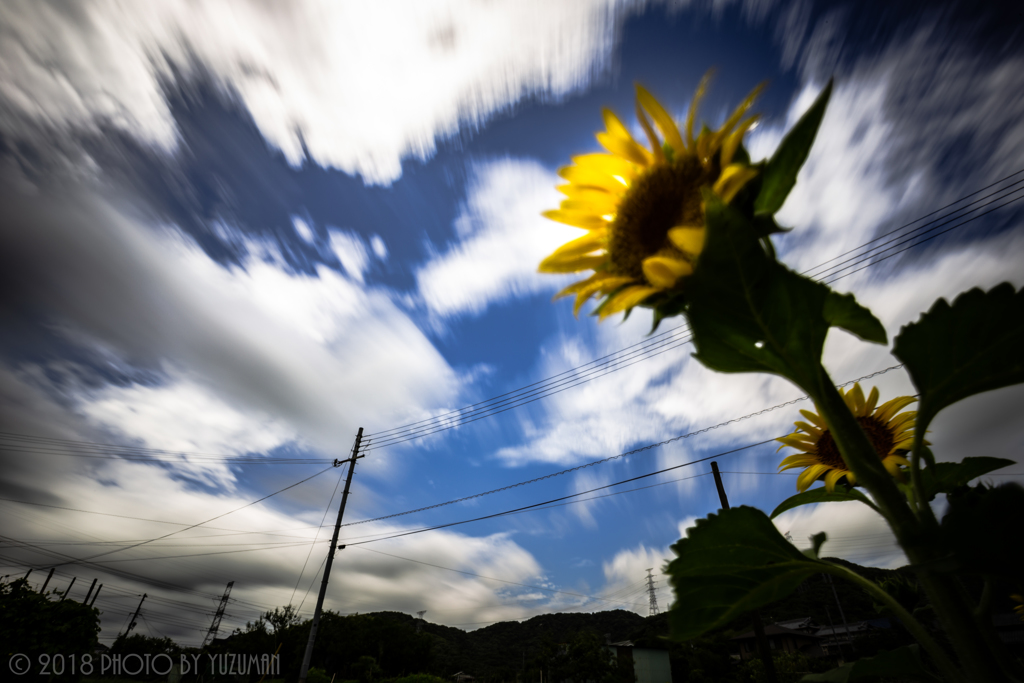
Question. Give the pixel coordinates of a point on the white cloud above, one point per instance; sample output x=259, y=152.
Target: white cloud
x=350, y=249
x=184, y=416
x=502, y=239
x=854, y=532
x=361, y=85
x=261, y=340
x=303, y=230
x=379, y=247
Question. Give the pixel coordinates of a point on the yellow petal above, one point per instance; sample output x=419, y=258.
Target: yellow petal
x=592, y=241
x=732, y=180
x=596, y=206
x=658, y=152
x=858, y=400
x=733, y=140
x=798, y=460
x=577, y=219
x=892, y=464
x=603, y=283
x=574, y=287
x=812, y=431
x=800, y=441
x=607, y=163
x=627, y=149
x=585, y=193
x=890, y=408
x=570, y=265
x=871, y=402
x=627, y=298
x=662, y=120
x=738, y=113
x=689, y=238
x=588, y=177
x=614, y=126
x=809, y=476
x=704, y=146
x=663, y=271
x=832, y=478
x=814, y=419
x=692, y=114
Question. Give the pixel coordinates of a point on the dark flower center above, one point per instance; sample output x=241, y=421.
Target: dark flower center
x=665, y=196
x=878, y=433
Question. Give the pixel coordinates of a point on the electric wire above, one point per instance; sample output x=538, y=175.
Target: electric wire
x=490, y=578
x=615, y=457
x=193, y=526
x=603, y=365
x=556, y=500
x=811, y=272
x=315, y=538
x=27, y=443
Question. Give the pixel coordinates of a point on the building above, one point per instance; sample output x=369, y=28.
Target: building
x=649, y=665
x=780, y=638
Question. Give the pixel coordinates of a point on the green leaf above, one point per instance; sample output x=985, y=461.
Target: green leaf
x=980, y=530
x=817, y=540
x=729, y=564
x=820, y=495
x=780, y=173
x=946, y=477
x=748, y=313
x=842, y=310
x=959, y=350
x=904, y=662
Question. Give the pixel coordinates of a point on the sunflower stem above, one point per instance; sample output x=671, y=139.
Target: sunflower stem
x=922, y=505
x=917, y=537
x=944, y=663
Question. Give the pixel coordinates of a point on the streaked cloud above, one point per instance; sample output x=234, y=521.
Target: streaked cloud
x=358, y=87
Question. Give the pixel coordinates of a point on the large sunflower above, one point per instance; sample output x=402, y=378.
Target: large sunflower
x=642, y=208
x=890, y=432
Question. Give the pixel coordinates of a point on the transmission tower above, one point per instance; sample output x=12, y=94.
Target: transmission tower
x=212, y=633
x=650, y=592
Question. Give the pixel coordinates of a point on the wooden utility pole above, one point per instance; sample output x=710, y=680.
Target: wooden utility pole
x=47, y=582
x=68, y=590
x=762, y=641
x=95, y=595
x=86, y=601
x=330, y=556
x=134, y=616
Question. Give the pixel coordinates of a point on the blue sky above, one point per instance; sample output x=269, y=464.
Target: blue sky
x=245, y=231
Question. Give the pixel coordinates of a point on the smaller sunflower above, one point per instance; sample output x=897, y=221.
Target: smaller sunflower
x=889, y=431
x=1018, y=607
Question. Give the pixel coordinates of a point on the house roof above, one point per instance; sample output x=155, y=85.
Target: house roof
x=776, y=630
x=806, y=622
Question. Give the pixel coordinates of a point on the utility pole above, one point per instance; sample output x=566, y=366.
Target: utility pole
x=96, y=595
x=652, y=598
x=212, y=633
x=330, y=556
x=86, y=601
x=762, y=640
x=68, y=590
x=134, y=616
x=47, y=582
x=842, y=615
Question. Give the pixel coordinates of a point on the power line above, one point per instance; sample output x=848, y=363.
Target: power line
x=27, y=443
x=811, y=272
x=614, y=457
x=572, y=495
x=491, y=578
x=193, y=526
x=675, y=337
